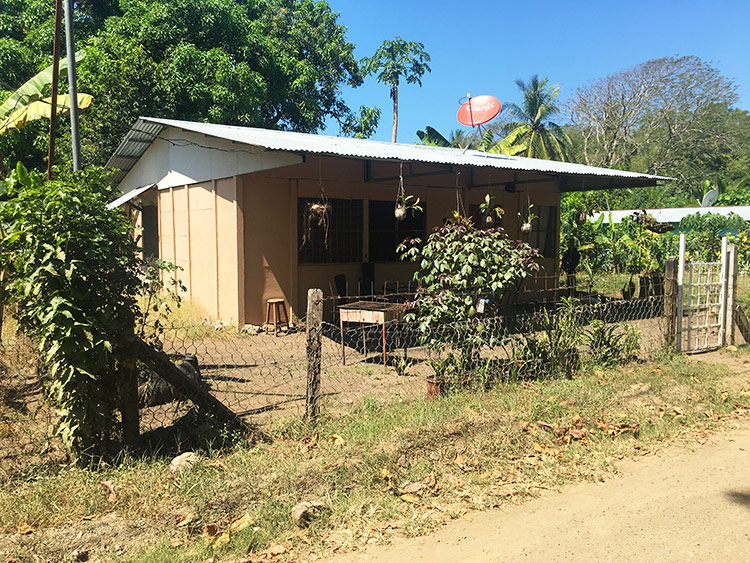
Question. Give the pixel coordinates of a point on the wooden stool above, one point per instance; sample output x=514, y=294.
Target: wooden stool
x=278, y=308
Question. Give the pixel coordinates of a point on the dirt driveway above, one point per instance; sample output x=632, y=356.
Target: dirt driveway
x=681, y=504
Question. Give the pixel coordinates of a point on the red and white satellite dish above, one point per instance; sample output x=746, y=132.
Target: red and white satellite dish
x=479, y=110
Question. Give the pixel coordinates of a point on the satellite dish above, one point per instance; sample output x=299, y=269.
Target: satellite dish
x=710, y=198
x=479, y=110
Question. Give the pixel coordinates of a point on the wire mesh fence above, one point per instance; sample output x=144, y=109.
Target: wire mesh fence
x=376, y=347
x=27, y=422
x=371, y=347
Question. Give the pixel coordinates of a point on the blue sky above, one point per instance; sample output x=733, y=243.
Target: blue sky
x=482, y=47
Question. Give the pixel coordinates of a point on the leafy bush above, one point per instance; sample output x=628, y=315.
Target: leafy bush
x=549, y=348
x=464, y=272
x=72, y=266
x=611, y=344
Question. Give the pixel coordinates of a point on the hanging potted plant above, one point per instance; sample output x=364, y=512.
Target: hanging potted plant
x=404, y=203
x=490, y=213
x=526, y=221
x=316, y=215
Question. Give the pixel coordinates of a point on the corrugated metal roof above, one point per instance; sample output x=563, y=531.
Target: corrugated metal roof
x=676, y=214
x=580, y=176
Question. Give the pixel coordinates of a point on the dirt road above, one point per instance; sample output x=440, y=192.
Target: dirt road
x=678, y=505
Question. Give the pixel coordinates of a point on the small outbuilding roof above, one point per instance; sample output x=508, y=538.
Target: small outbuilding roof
x=677, y=214
x=577, y=176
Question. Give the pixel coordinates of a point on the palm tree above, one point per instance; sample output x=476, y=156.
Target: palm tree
x=532, y=126
x=395, y=59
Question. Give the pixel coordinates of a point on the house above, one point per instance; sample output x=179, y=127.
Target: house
x=232, y=206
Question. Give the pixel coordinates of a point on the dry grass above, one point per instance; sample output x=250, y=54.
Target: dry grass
x=480, y=449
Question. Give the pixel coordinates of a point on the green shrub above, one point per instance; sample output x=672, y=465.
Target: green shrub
x=71, y=265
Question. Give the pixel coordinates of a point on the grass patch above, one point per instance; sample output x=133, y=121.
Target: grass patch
x=470, y=451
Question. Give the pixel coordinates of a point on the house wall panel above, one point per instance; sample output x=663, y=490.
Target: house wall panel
x=269, y=212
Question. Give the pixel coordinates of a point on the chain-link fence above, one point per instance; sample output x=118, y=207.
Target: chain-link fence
x=359, y=348
x=27, y=422
x=375, y=347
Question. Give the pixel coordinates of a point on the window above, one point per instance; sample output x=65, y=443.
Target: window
x=150, y=219
x=344, y=233
x=543, y=235
x=386, y=233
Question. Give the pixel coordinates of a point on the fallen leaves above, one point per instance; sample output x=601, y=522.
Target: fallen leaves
x=453, y=480
x=463, y=465
x=412, y=499
x=240, y=523
x=184, y=520
x=413, y=488
x=24, y=528
x=616, y=429
x=215, y=536
x=218, y=465
x=337, y=440
x=307, y=444
x=111, y=488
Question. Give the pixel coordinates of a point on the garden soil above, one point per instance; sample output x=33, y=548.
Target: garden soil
x=680, y=504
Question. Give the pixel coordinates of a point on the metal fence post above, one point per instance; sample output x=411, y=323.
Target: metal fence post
x=314, y=323
x=680, y=293
x=731, y=293
x=723, y=292
x=670, y=302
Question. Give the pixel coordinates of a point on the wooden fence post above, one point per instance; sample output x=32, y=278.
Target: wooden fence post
x=670, y=302
x=131, y=428
x=731, y=294
x=314, y=323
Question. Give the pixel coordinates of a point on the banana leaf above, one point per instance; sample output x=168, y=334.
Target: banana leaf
x=33, y=89
x=40, y=109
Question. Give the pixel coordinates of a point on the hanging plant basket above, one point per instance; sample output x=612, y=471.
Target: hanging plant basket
x=316, y=216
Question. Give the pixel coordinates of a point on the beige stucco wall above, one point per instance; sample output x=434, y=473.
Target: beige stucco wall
x=199, y=228
x=270, y=220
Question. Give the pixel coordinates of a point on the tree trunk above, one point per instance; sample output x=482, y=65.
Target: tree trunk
x=394, y=95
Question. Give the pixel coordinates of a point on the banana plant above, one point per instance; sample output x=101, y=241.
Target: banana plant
x=29, y=102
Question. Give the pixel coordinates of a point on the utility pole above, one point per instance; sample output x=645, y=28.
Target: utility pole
x=55, y=80
x=70, y=52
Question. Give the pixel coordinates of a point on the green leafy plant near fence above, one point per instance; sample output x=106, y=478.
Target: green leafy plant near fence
x=464, y=272
x=72, y=267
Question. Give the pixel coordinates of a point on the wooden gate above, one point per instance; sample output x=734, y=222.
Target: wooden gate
x=705, y=300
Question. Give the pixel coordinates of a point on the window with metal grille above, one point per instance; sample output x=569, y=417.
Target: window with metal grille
x=344, y=232
x=386, y=232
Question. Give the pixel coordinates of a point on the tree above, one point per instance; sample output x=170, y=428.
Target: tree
x=665, y=116
x=396, y=59
x=532, y=126
x=458, y=138
x=277, y=64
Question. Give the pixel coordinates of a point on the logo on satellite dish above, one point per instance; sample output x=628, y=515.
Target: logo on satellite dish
x=479, y=110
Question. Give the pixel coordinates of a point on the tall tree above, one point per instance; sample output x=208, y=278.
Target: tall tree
x=666, y=116
x=532, y=125
x=394, y=60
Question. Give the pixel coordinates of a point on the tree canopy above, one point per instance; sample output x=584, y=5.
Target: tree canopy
x=672, y=116
x=266, y=63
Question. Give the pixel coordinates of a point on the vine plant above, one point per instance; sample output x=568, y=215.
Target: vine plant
x=72, y=266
